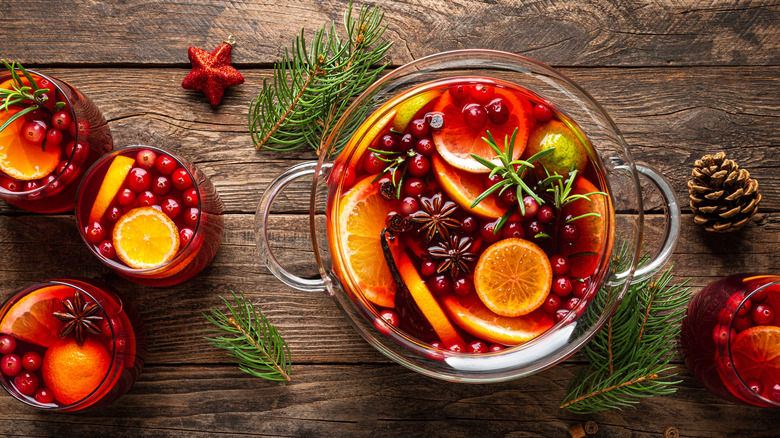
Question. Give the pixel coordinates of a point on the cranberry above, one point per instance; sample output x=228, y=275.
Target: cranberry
x=475, y=116
x=409, y=206
x=29, y=186
x=388, y=142
x=77, y=150
x=721, y=333
x=413, y=187
x=106, y=249
x=440, y=285
x=113, y=213
x=425, y=146
x=26, y=383
x=161, y=185
x=759, y=296
x=531, y=207
x=31, y=361
x=498, y=111
x=477, y=347
x=744, y=309
x=755, y=385
x=171, y=207
x=542, y=113
x=488, y=234
x=428, y=268
x=419, y=128
x=66, y=171
x=494, y=179
x=469, y=224
x=570, y=232
x=545, y=214
x=496, y=347
x=459, y=93
x=406, y=143
x=48, y=97
x=551, y=304
x=560, y=264
x=560, y=314
x=534, y=227
x=10, y=184
x=146, y=199
x=725, y=315
x=191, y=216
x=11, y=364
x=146, y=159
x=774, y=393
x=513, y=229
x=419, y=166
x=61, y=120
x=572, y=303
x=50, y=184
x=742, y=323
x=36, y=114
x=181, y=179
x=561, y=286
x=53, y=138
x=34, y=131
x=125, y=197
x=95, y=233
x=372, y=164
x=390, y=317
x=437, y=345
x=463, y=286
x=44, y=396
x=763, y=314
x=82, y=126
x=508, y=197
x=190, y=197
x=7, y=344
x=165, y=164
x=482, y=93
x=139, y=180
x=457, y=348
x=579, y=288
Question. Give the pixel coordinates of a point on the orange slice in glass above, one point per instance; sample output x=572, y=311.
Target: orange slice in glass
x=464, y=187
x=31, y=320
x=513, y=277
x=145, y=238
x=20, y=158
x=756, y=354
x=585, y=252
x=112, y=182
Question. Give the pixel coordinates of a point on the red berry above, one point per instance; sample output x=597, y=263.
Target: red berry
x=7, y=344
x=508, y=197
x=44, y=396
x=113, y=213
x=139, y=180
x=579, y=288
x=755, y=385
x=560, y=264
x=469, y=224
x=487, y=233
x=572, y=303
x=440, y=285
x=542, y=113
x=146, y=159
x=10, y=184
x=106, y=249
x=774, y=393
x=459, y=93
x=77, y=150
x=560, y=314
x=413, y=187
x=494, y=179
x=407, y=143
x=390, y=317
x=125, y=197
x=498, y=111
x=61, y=120
x=29, y=186
x=53, y=138
x=147, y=199
x=66, y=171
x=161, y=185
x=477, y=347
x=437, y=345
x=721, y=333
x=419, y=166
x=745, y=308
x=475, y=116
x=26, y=383
x=165, y=164
x=419, y=128
x=181, y=179
x=409, y=206
x=463, y=286
x=190, y=197
x=185, y=235
x=171, y=207
x=531, y=207
x=496, y=347
x=532, y=228
x=83, y=129
x=31, y=361
x=50, y=184
x=742, y=323
x=570, y=232
x=95, y=233
x=425, y=146
x=482, y=93
x=561, y=286
x=372, y=164
x=552, y=303
x=760, y=295
x=545, y=214
x=11, y=364
x=191, y=216
x=34, y=131
x=763, y=314
x=37, y=114
x=457, y=348
x=427, y=268
x=513, y=229
x=388, y=142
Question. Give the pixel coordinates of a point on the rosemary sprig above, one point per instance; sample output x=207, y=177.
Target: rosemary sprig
x=254, y=343
x=561, y=190
x=313, y=86
x=397, y=165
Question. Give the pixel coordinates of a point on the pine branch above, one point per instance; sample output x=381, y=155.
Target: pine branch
x=254, y=343
x=313, y=85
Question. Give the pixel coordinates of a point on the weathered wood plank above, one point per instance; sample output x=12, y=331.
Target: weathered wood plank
x=586, y=33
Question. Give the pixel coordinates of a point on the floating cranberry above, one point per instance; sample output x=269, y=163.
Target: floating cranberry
x=44, y=396
x=66, y=171
x=760, y=295
x=11, y=364
x=725, y=315
x=125, y=197
x=570, y=232
x=560, y=314
x=53, y=138
x=425, y=146
x=578, y=288
x=190, y=197
x=721, y=333
x=572, y=303
x=34, y=131
x=95, y=233
x=31, y=361
x=106, y=249
x=531, y=207
x=191, y=216
x=407, y=142
x=745, y=308
x=488, y=233
x=419, y=128
x=493, y=179
x=542, y=113
x=147, y=199
x=440, y=285
x=165, y=164
x=372, y=164
x=477, y=347
x=413, y=187
x=456, y=348
x=161, y=185
x=560, y=264
x=419, y=166
x=755, y=385
x=498, y=111
x=551, y=304
x=496, y=347
x=482, y=93
x=774, y=393
x=409, y=206
x=185, y=235
x=146, y=158
x=139, y=180
x=390, y=317
x=388, y=142
x=26, y=383
x=82, y=126
x=171, y=207
x=469, y=224
x=463, y=286
x=459, y=93
x=36, y=114
x=508, y=197
x=513, y=229
x=7, y=344
x=50, y=184
x=742, y=323
x=533, y=228
x=545, y=214
x=29, y=186
x=561, y=286
x=181, y=179
x=113, y=213
x=48, y=97
x=475, y=116
x=77, y=150
x=61, y=120
x=427, y=268
x=10, y=184
x=763, y=314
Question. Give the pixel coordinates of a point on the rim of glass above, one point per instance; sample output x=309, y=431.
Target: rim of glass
x=32, y=289
x=180, y=255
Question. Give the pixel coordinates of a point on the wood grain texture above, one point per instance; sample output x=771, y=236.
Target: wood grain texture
x=562, y=33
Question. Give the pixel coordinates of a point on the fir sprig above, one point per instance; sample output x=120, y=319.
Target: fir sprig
x=29, y=97
x=629, y=358
x=313, y=85
x=254, y=343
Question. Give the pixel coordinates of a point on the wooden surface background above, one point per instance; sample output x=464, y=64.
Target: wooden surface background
x=680, y=79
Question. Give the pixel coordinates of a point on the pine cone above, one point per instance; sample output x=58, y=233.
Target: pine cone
x=723, y=196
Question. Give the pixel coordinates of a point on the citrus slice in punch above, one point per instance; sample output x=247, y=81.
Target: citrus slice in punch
x=456, y=141
x=464, y=187
x=427, y=304
x=411, y=106
x=756, y=354
x=31, y=320
x=569, y=152
x=112, y=182
x=145, y=238
x=74, y=371
x=361, y=218
x=472, y=315
x=585, y=252
x=513, y=277
x=20, y=158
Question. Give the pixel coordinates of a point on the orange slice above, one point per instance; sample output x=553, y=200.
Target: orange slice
x=427, y=303
x=145, y=238
x=30, y=319
x=74, y=371
x=112, y=182
x=473, y=316
x=360, y=222
x=513, y=277
x=592, y=238
x=756, y=353
x=20, y=158
x=464, y=187
x=457, y=141
x=408, y=108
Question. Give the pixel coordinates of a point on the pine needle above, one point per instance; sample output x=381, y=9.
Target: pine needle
x=250, y=339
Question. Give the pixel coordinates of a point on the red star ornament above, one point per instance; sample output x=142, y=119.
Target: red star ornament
x=212, y=72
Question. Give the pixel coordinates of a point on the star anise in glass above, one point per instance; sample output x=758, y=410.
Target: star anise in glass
x=79, y=318
x=436, y=217
x=453, y=255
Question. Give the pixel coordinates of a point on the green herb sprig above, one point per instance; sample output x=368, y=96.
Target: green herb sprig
x=561, y=190
x=398, y=163
x=254, y=343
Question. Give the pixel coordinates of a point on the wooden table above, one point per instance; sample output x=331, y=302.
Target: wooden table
x=680, y=79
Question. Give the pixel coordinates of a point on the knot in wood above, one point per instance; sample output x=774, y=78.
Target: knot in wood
x=671, y=432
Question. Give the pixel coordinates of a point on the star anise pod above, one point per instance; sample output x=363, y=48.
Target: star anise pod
x=79, y=318
x=453, y=255
x=436, y=217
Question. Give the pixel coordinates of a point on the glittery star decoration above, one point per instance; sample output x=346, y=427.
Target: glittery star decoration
x=212, y=72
